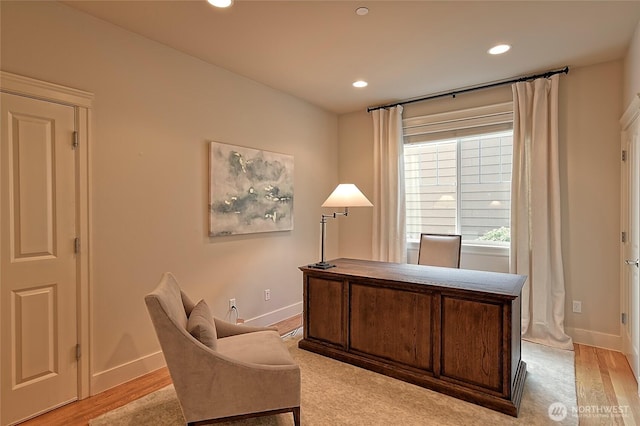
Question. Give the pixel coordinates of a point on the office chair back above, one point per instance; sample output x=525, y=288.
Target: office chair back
x=440, y=250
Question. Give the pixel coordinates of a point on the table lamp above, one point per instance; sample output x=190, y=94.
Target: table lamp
x=345, y=195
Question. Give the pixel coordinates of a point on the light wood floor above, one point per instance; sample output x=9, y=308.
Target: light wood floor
x=603, y=382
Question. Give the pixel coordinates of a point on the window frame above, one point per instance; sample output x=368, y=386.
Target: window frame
x=456, y=125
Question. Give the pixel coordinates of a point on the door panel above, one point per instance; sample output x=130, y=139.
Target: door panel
x=33, y=170
x=35, y=334
x=630, y=303
x=38, y=285
x=634, y=237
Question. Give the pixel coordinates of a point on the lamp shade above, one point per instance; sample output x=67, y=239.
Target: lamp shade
x=347, y=195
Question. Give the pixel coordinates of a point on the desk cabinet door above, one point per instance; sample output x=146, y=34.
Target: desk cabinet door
x=472, y=349
x=392, y=324
x=324, y=310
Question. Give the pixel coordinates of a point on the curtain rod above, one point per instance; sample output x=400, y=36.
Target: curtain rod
x=453, y=93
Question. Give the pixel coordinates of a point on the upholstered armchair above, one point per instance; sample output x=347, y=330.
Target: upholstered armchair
x=221, y=371
x=440, y=250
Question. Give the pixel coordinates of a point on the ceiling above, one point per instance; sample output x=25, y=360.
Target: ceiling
x=314, y=50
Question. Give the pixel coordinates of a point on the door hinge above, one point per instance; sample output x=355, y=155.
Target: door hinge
x=75, y=140
x=76, y=245
x=623, y=236
x=623, y=317
x=624, y=155
x=78, y=353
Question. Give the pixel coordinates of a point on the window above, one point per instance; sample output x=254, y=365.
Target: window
x=459, y=181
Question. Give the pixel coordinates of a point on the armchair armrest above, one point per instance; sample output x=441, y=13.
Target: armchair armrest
x=226, y=329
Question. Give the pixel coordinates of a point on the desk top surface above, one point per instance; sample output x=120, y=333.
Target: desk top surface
x=502, y=284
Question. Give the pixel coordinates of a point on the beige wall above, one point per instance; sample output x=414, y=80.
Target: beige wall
x=154, y=111
x=631, y=86
x=355, y=132
x=590, y=100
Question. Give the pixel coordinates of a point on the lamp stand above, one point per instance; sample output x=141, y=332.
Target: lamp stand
x=323, y=263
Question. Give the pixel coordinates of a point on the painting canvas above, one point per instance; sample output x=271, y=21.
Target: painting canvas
x=250, y=190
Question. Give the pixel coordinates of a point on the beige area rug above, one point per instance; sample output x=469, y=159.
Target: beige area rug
x=335, y=393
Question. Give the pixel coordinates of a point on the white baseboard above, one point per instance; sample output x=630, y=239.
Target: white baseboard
x=115, y=376
x=120, y=374
x=595, y=338
x=275, y=316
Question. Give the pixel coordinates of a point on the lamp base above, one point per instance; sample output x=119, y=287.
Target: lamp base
x=321, y=265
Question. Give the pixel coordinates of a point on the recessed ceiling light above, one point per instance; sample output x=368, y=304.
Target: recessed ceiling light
x=220, y=3
x=361, y=11
x=360, y=83
x=499, y=49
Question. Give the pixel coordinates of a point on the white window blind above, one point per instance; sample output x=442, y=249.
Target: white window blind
x=454, y=124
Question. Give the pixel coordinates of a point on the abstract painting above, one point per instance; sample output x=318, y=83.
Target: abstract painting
x=250, y=190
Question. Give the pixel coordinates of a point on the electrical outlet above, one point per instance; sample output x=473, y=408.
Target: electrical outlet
x=577, y=306
x=232, y=304
x=267, y=294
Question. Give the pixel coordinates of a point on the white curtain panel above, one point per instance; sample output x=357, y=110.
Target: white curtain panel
x=535, y=211
x=389, y=233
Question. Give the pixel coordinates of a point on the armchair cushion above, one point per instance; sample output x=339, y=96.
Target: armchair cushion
x=200, y=325
x=261, y=347
x=226, y=329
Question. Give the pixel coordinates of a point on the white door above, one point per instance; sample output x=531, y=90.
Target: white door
x=38, y=267
x=631, y=251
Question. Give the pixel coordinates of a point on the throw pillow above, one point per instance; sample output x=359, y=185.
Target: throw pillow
x=187, y=303
x=201, y=326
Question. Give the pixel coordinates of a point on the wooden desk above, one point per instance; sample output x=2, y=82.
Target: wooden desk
x=451, y=330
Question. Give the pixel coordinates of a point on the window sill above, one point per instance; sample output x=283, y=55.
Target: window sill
x=485, y=250
x=474, y=249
